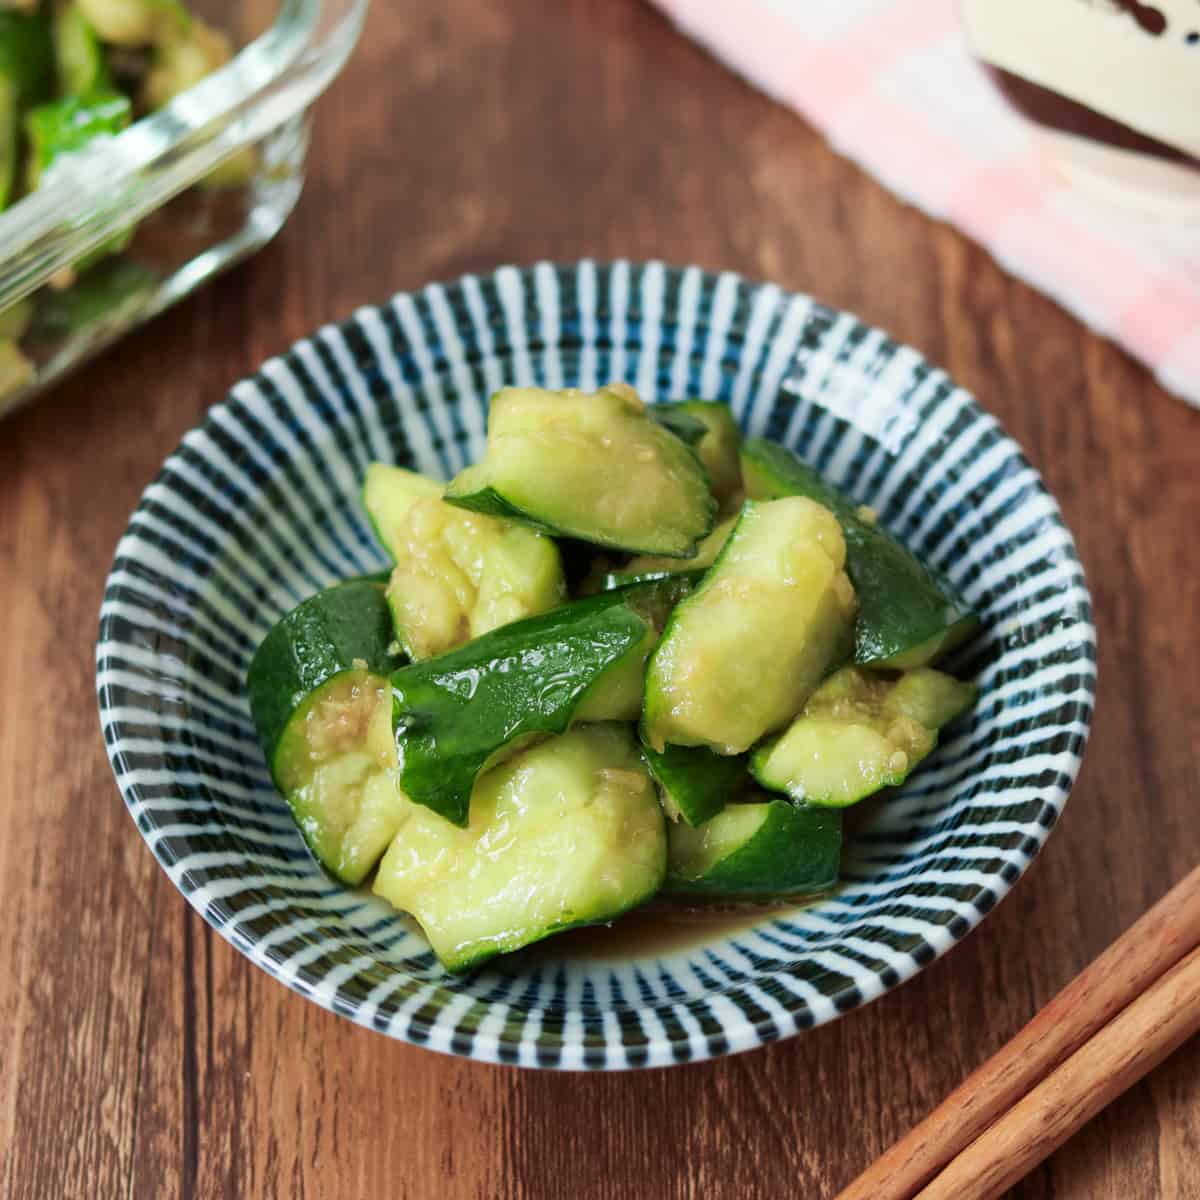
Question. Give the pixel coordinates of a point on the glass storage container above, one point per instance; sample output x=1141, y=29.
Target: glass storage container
x=157, y=179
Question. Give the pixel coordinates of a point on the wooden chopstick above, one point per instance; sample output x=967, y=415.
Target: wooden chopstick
x=1144, y=954
x=1134, y=1042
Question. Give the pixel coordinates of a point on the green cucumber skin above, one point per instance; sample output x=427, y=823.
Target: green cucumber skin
x=453, y=713
x=697, y=780
x=795, y=852
x=686, y=579
x=26, y=77
x=318, y=639
x=901, y=603
x=66, y=125
x=772, y=783
x=27, y=55
x=10, y=137
x=491, y=503
x=674, y=419
x=471, y=962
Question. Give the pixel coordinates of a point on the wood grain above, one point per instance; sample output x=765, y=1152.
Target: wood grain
x=140, y=1056
x=1124, y=976
x=1152, y=1028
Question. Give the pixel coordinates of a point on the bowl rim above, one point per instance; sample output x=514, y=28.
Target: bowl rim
x=751, y=1034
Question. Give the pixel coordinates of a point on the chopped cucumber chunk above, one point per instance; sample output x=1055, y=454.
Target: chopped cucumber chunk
x=16, y=371
x=336, y=766
x=907, y=616
x=761, y=847
x=182, y=60
x=718, y=449
x=455, y=713
x=26, y=55
x=593, y=467
x=82, y=69
x=458, y=574
x=388, y=494
x=10, y=134
x=742, y=654
x=694, y=783
x=859, y=733
x=648, y=564
x=66, y=125
x=328, y=633
x=566, y=833
x=136, y=22
x=15, y=320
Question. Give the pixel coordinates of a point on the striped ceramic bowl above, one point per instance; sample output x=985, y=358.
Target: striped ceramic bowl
x=258, y=508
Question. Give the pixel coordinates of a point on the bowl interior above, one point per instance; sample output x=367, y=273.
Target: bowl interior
x=259, y=507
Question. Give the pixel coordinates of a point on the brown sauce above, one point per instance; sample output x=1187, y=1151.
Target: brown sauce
x=664, y=926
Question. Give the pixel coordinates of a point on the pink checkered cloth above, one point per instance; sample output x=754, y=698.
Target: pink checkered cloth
x=892, y=85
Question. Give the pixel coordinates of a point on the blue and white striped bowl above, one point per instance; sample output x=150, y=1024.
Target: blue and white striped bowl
x=258, y=508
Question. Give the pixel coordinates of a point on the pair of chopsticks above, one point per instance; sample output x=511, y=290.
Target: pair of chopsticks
x=1136, y=1004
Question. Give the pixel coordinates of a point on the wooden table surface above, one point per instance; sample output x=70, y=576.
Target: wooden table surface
x=141, y=1056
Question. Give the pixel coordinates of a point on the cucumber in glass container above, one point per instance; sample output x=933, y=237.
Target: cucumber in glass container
x=10, y=134
x=67, y=125
x=26, y=55
x=26, y=77
x=63, y=126
x=136, y=22
x=78, y=54
x=590, y=466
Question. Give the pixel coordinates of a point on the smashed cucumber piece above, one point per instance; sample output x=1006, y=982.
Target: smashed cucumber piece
x=716, y=447
x=16, y=371
x=741, y=655
x=645, y=565
x=454, y=714
x=907, y=616
x=343, y=628
x=10, y=133
x=15, y=320
x=82, y=67
x=859, y=733
x=694, y=783
x=387, y=495
x=589, y=466
x=321, y=704
x=66, y=125
x=136, y=22
x=757, y=847
x=26, y=56
x=458, y=574
x=566, y=833
x=181, y=60
x=336, y=766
